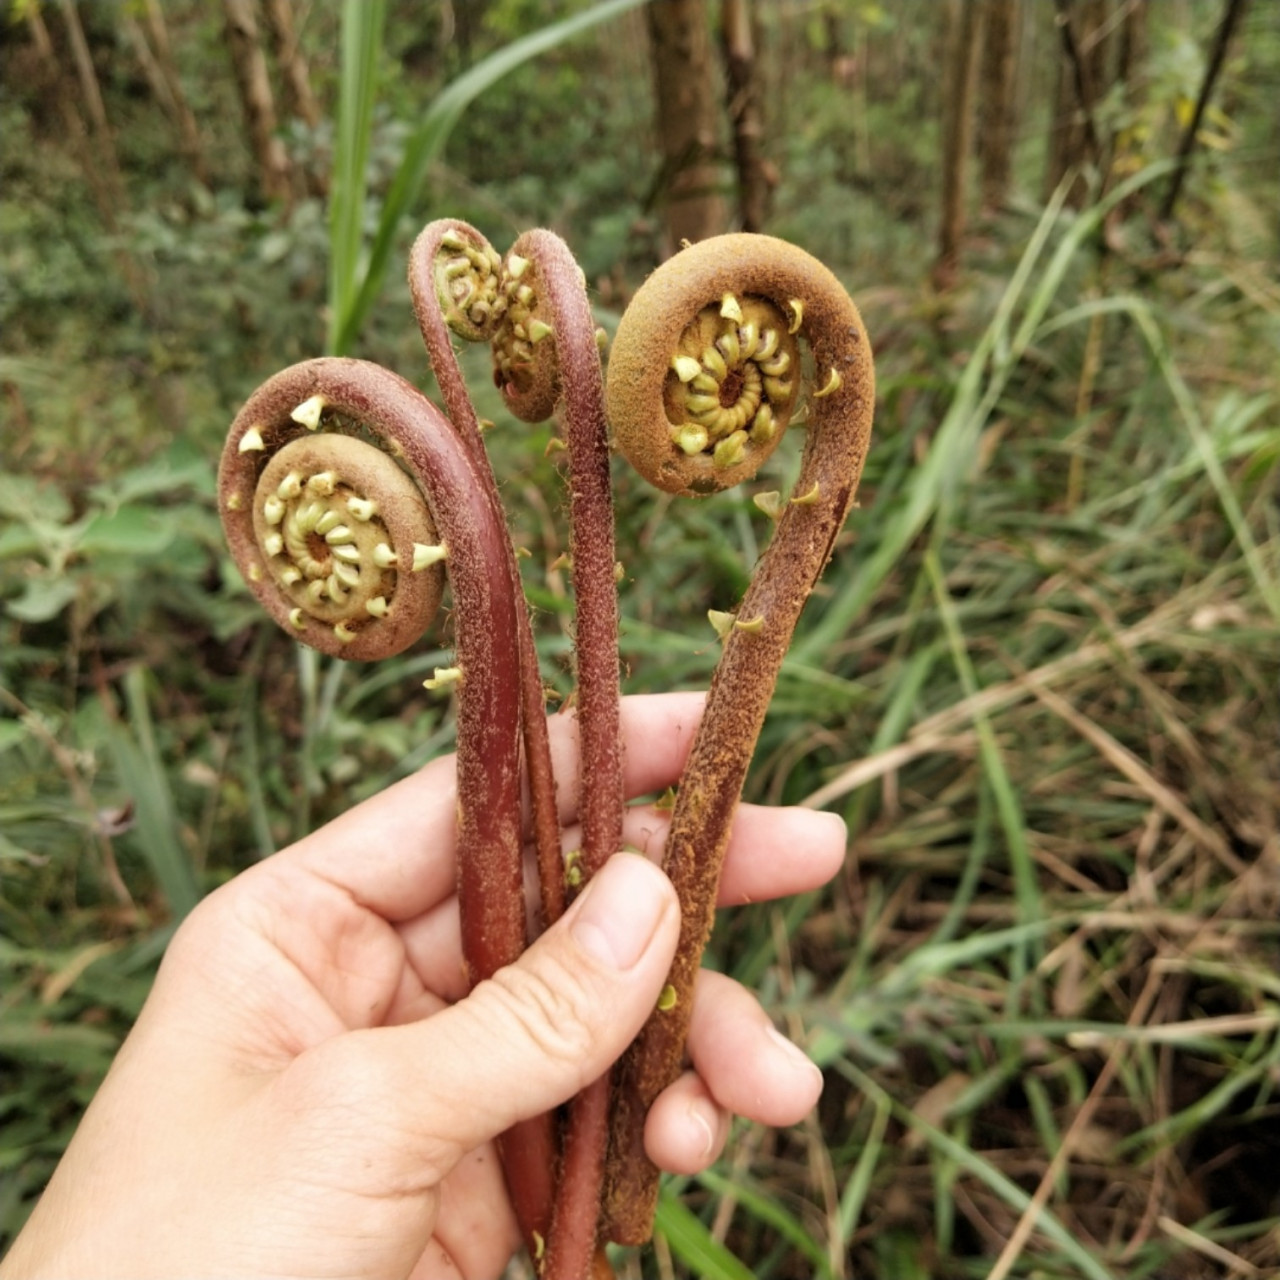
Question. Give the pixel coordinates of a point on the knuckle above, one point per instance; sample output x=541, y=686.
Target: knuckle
x=552, y=1007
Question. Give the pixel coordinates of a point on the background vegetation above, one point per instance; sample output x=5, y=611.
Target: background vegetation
x=1039, y=680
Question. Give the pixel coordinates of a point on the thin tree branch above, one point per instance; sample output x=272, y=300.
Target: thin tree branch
x=1226, y=28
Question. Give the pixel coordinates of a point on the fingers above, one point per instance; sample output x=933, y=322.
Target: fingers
x=749, y=1067
x=519, y=1044
x=742, y=1066
x=772, y=852
x=395, y=852
x=686, y=1128
x=657, y=732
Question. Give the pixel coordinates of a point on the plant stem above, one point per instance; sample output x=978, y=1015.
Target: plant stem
x=529, y=1155
x=559, y=299
x=711, y=785
x=444, y=364
x=490, y=888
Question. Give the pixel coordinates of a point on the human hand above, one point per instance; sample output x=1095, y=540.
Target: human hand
x=310, y=1091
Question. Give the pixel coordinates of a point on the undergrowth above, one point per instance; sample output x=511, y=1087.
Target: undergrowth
x=1039, y=681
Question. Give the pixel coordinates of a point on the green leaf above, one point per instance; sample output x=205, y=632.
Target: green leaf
x=131, y=531
x=180, y=467
x=43, y=599
x=140, y=771
x=428, y=142
x=769, y=1210
x=19, y=540
x=72, y=1047
x=362, y=23
x=20, y=499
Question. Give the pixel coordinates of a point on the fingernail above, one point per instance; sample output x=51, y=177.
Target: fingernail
x=796, y=1057
x=706, y=1131
x=619, y=911
x=835, y=821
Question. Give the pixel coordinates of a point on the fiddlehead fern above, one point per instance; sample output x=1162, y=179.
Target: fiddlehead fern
x=545, y=352
x=337, y=540
x=546, y=355
x=348, y=543
x=550, y=307
x=728, y=395
x=297, y=458
x=688, y=311
x=456, y=279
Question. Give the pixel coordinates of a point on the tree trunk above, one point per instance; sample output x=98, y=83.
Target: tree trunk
x=155, y=56
x=295, y=76
x=1002, y=22
x=256, y=99
x=689, y=185
x=742, y=94
x=964, y=27
x=1133, y=46
x=1075, y=142
x=94, y=147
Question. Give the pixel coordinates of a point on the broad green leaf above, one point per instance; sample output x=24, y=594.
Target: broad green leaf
x=22, y=499
x=131, y=531
x=43, y=599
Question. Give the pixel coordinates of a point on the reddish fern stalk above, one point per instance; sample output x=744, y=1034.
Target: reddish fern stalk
x=547, y=355
x=329, y=400
x=701, y=381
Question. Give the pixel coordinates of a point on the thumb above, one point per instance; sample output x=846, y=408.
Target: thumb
x=540, y=1030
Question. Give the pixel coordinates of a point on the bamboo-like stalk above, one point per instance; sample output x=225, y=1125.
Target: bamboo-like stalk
x=659, y=386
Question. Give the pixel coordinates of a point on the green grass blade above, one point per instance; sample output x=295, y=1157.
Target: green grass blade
x=950, y=457
x=428, y=142
x=694, y=1245
x=855, y=1191
x=1267, y=586
x=973, y=1164
x=141, y=773
x=952, y=444
x=1206, y=451
x=362, y=24
x=769, y=1211
x=1022, y=860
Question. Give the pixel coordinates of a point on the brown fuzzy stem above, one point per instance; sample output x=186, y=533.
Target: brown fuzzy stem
x=429, y=308
x=591, y=541
x=354, y=393
x=529, y=1150
x=841, y=404
x=554, y=356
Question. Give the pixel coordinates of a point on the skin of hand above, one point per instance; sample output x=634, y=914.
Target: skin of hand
x=311, y=1092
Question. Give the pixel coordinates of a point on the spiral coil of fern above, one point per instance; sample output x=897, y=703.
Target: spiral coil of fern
x=306, y=498
x=707, y=348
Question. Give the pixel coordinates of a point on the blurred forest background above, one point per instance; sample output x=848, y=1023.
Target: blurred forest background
x=1040, y=679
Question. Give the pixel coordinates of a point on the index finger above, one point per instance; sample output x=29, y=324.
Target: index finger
x=395, y=853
